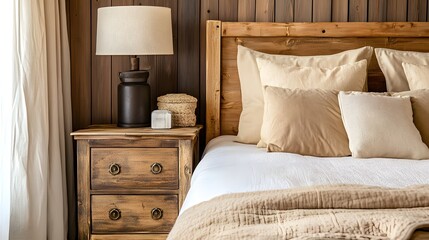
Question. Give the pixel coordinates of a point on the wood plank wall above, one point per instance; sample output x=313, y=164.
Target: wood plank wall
x=94, y=78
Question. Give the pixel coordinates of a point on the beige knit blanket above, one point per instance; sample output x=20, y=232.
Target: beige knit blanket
x=320, y=212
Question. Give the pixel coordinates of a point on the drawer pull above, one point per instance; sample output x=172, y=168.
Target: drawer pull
x=114, y=169
x=156, y=168
x=114, y=214
x=156, y=213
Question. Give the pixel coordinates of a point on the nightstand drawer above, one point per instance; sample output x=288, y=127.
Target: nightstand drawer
x=133, y=213
x=134, y=168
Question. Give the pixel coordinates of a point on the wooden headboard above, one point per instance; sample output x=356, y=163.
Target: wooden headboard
x=223, y=96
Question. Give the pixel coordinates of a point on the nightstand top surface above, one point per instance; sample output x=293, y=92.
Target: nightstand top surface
x=113, y=130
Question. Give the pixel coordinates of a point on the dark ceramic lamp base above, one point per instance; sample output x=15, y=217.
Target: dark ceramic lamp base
x=134, y=106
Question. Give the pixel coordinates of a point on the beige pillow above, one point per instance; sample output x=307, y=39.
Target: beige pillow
x=381, y=126
x=347, y=77
x=420, y=104
x=306, y=122
x=417, y=75
x=251, y=89
x=390, y=62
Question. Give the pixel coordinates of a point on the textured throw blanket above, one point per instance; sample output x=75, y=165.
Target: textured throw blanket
x=320, y=212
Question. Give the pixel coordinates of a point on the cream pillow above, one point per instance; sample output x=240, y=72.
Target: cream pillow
x=347, y=77
x=251, y=89
x=420, y=104
x=417, y=75
x=381, y=126
x=390, y=62
x=306, y=122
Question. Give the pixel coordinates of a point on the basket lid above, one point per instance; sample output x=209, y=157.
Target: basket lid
x=176, y=98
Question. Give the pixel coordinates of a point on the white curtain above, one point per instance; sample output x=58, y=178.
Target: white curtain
x=35, y=124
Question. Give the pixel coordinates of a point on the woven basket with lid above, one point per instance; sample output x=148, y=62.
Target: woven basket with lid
x=182, y=107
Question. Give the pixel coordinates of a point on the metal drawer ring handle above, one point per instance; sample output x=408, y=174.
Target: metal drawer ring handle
x=156, y=168
x=114, y=169
x=114, y=214
x=156, y=213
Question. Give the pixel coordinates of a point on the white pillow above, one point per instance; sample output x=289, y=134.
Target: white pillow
x=381, y=126
x=390, y=62
x=251, y=89
x=417, y=75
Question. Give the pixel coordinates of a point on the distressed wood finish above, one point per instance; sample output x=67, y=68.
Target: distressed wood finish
x=135, y=190
x=83, y=196
x=135, y=168
x=213, y=79
x=295, y=39
x=135, y=213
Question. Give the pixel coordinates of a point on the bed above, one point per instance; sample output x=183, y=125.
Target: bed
x=230, y=171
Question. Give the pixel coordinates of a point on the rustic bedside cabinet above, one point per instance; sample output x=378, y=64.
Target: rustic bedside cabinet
x=132, y=181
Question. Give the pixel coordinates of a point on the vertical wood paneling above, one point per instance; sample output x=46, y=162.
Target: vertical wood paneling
x=340, y=10
x=397, y=10
x=377, y=10
x=417, y=10
x=303, y=11
x=284, y=10
x=358, y=11
x=167, y=65
x=101, y=74
x=228, y=10
x=80, y=44
x=188, y=48
x=265, y=10
x=119, y=64
x=246, y=10
x=322, y=10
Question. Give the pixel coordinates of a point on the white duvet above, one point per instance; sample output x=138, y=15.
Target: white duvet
x=230, y=167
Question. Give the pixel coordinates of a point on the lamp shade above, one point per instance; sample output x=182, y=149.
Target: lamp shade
x=134, y=30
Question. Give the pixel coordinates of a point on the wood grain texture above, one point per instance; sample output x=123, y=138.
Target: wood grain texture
x=189, y=48
x=246, y=10
x=303, y=11
x=322, y=10
x=186, y=155
x=83, y=188
x=396, y=10
x=265, y=10
x=377, y=10
x=135, y=213
x=134, y=150
x=358, y=10
x=301, y=39
x=213, y=44
x=135, y=168
x=284, y=10
x=101, y=74
x=357, y=29
x=417, y=10
x=340, y=10
x=228, y=10
x=80, y=45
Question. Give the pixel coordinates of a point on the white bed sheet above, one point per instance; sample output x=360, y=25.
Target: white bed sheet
x=230, y=167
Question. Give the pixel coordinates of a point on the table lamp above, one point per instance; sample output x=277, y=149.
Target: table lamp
x=134, y=30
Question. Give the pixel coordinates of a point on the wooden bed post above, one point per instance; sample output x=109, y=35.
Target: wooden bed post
x=213, y=42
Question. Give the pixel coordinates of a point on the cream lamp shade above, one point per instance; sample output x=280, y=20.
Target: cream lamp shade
x=134, y=30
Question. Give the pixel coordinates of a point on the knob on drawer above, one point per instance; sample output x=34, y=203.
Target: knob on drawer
x=156, y=168
x=114, y=214
x=156, y=213
x=114, y=169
